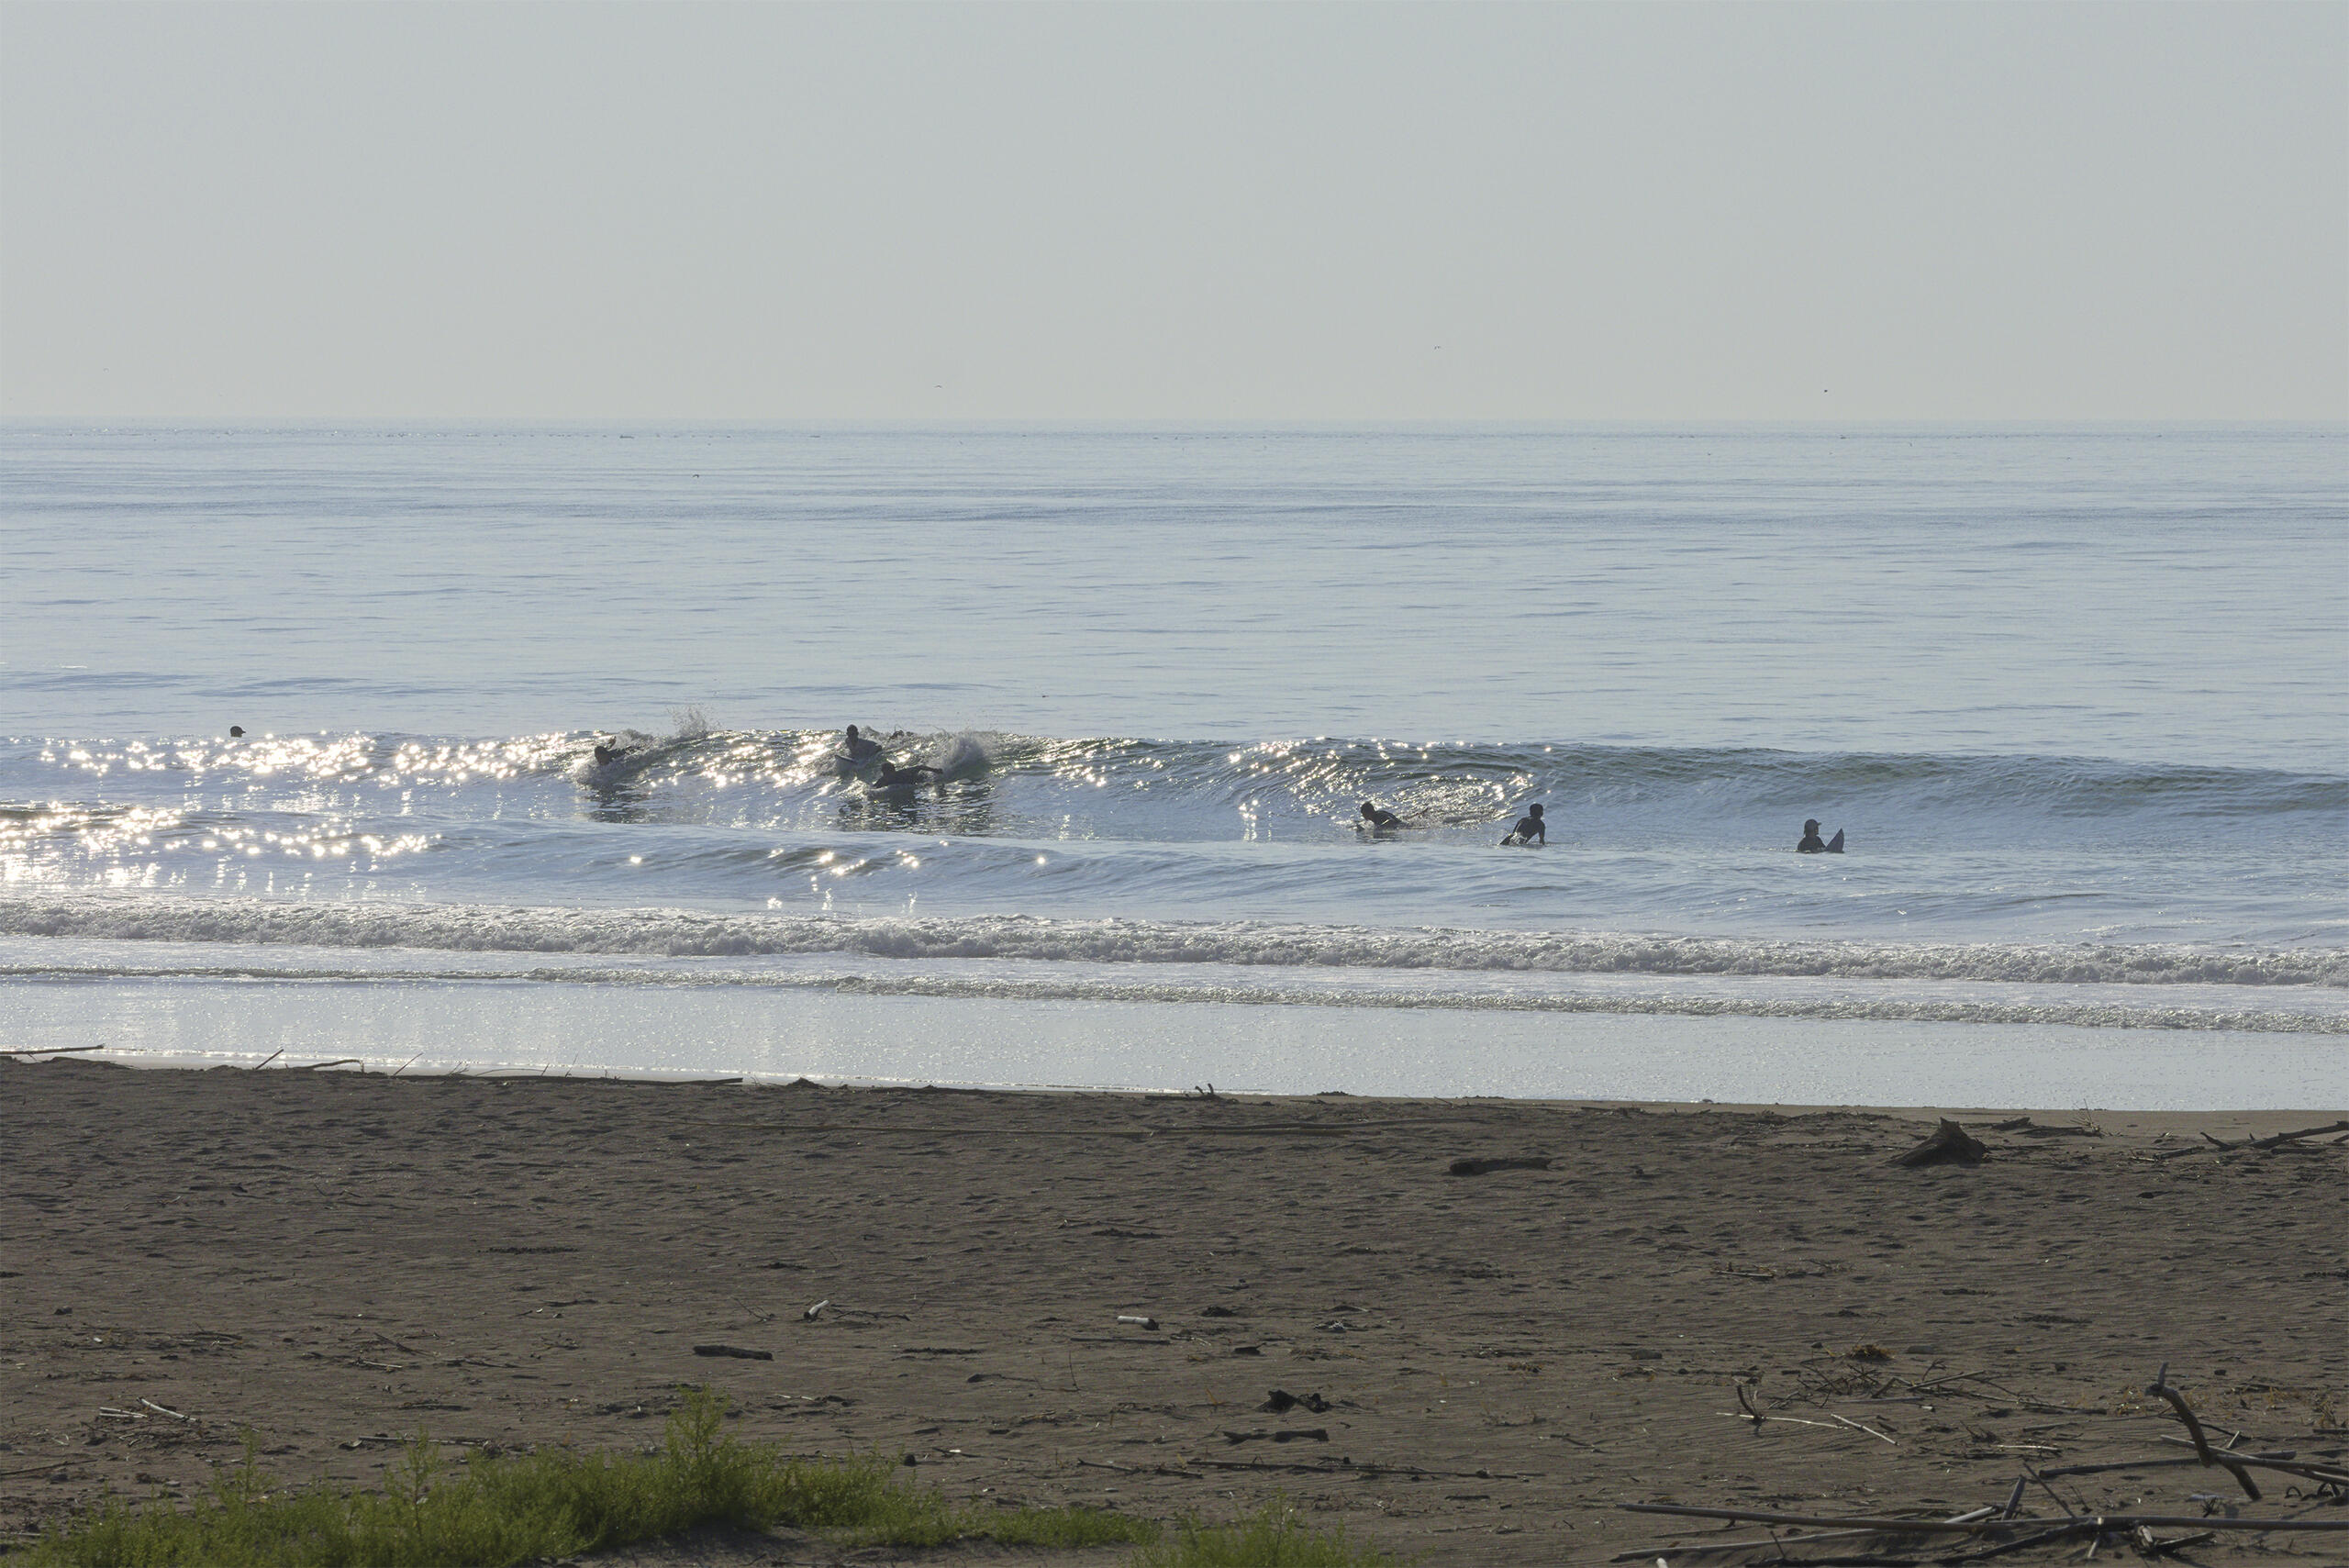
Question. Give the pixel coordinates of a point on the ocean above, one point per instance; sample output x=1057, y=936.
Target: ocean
x=2074, y=696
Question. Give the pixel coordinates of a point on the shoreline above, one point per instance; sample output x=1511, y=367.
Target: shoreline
x=334, y=1259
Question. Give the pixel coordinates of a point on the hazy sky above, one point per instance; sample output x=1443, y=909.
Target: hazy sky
x=1188, y=212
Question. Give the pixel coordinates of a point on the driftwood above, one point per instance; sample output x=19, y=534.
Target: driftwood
x=270, y=1058
x=2253, y=1143
x=1479, y=1167
x=2112, y=1464
x=1139, y=1321
x=2283, y=1462
x=2109, y=1523
x=174, y=1415
x=343, y=1061
x=1288, y=1435
x=51, y=1051
x=1948, y=1145
x=737, y=1352
x=810, y=1316
x=2194, y=1429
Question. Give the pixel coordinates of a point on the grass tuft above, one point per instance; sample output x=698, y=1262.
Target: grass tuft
x=1274, y=1537
x=495, y=1512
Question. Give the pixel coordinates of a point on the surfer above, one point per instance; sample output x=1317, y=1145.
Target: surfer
x=1529, y=829
x=606, y=755
x=236, y=733
x=1811, y=845
x=858, y=749
x=896, y=783
x=1376, y=818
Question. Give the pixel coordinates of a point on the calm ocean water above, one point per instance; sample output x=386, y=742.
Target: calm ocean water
x=2076, y=697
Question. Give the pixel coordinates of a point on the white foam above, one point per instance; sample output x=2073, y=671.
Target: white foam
x=673, y=933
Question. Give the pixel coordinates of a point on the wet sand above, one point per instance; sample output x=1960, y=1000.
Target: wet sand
x=1483, y=1365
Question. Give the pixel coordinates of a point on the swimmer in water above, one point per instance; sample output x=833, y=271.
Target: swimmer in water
x=859, y=748
x=1811, y=845
x=897, y=782
x=236, y=733
x=1377, y=820
x=1529, y=829
x=607, y=755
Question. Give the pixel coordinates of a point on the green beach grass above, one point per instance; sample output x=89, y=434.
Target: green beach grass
x=491, y=1512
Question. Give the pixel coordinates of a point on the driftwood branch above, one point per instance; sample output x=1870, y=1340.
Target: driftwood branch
x=2281, y=1137
x=2111, y=1522
x=51, y=1051
x=2194, y=1429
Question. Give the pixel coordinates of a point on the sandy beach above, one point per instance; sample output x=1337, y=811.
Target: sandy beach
x=1471, y=1368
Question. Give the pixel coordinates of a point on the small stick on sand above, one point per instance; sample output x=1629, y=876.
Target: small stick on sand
x=2101, y=1522
x=271, y=1057
x=1150, y=1323
x=174, y=1415
x=2194, y=1429
x=2263, y=1461
x=343, y=1061
x=2014, y=1499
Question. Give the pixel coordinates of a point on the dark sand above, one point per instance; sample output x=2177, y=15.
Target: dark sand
x=334, y=1261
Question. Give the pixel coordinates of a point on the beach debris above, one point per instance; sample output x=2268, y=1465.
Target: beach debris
x=1469, y=1167
x=1948, y=1145
x=2277, y=1141
x=739, y=1351
x=340, y=1061
x=810, y=1316
x=270, y=1058
x=1139, y=1321
x=2108, y=1524
x=1286, y=1435
x=1283, y=1401
x=160, y=1410
x=51, y=1051
x=2160, y=1386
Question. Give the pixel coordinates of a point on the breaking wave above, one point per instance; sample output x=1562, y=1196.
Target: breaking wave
x=684, y=934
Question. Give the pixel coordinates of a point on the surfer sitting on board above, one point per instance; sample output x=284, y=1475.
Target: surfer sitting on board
x=858, y=749
x=1529, y=829
x=1811, y=845
x=1376, y=818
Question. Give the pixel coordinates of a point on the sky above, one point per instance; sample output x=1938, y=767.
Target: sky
x=1190, y=213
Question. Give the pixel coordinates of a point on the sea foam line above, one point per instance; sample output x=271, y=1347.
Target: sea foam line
x=2097, y=1015
x=670, y=933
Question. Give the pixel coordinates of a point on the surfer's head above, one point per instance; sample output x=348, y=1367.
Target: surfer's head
x=1368, y=809
x=236, y=733
x=1534, y=811
x=851, y=731
x=1810, y=825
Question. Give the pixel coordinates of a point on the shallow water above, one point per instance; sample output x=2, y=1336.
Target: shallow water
x=2073, y=695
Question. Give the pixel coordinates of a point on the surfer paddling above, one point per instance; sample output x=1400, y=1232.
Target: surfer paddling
x=1529, y=829
x=1376, y=818
x=1812, y=845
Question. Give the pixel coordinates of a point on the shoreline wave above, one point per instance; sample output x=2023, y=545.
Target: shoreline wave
x=682, y=934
